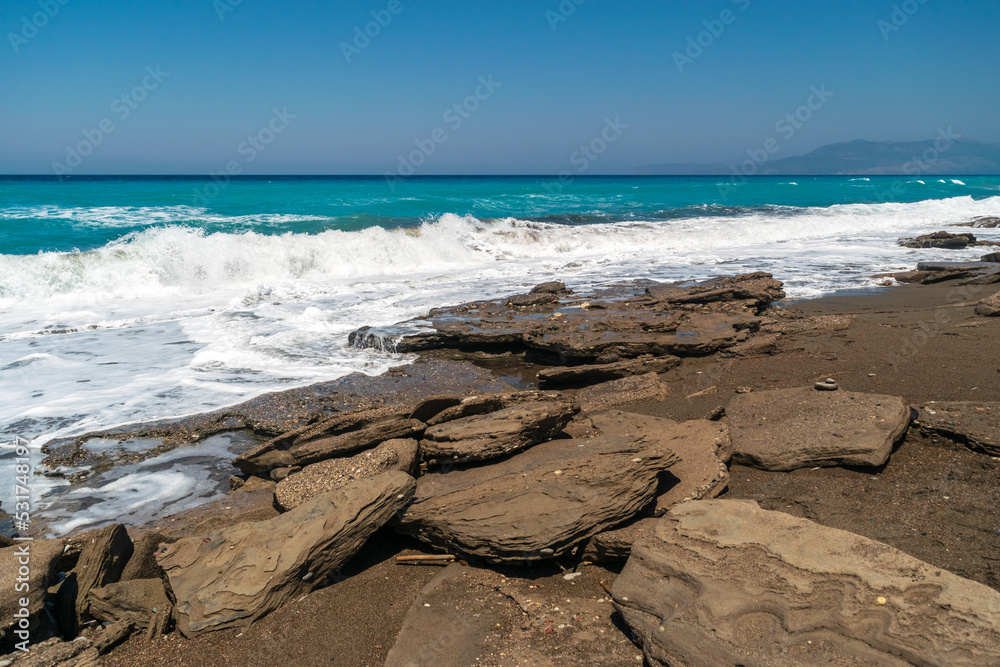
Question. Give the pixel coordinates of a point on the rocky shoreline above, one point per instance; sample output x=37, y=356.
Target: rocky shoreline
x=646, y=472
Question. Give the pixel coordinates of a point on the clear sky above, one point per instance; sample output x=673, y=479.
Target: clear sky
x=217, y=71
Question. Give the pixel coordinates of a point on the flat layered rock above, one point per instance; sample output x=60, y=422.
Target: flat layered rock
x=231, y=577
x=326, y=476
x=485, y=403
x=758, y=290
x=578, y=338
x=785, y=429
x=723, y=582
x=976, y=425
x=539, y=503
x=703, y=448
x=303, y=449
x=590, y=373
x=496, y=434
x=626, y=321
x=989, y=307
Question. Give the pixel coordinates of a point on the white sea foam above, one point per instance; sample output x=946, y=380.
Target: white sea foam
x=131, y=216
x=173, y=320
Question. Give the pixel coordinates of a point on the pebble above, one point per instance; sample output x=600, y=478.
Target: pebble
x=569, y=576
x=828, y=384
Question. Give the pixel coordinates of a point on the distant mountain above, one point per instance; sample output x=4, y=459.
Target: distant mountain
x=954, y=157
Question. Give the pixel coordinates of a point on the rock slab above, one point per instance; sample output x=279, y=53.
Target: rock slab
x=41, y=558
x=495, y=434
x=724, y=582
x=989, y=307
x=135, y=601
x=325, y=476
x=974, y=424
x=231, y=577
x=589, y=373
x=786, y=429
x=541, y=502
x=102, y=562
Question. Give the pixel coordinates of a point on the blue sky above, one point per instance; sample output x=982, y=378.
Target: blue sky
x=224, y=68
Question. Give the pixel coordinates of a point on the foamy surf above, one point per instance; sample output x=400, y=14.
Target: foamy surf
x=177, y=319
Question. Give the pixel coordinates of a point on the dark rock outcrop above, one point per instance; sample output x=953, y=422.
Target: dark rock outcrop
x=541, y=502
x=685, y=319
x=753, y=291
x=723, y=582
x=982, y=222
x=231, y=577
x=944, y=240
x=785, y=429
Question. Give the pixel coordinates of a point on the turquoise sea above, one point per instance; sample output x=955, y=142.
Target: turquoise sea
x=125, y=299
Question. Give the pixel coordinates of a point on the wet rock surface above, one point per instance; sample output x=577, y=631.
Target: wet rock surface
x=981, y=222
x=282, y=412
x=787, y=429
x=684, y=319
x=779, y=590
x=940, y=240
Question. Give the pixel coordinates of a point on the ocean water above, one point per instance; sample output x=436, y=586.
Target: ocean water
x=131, y=299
